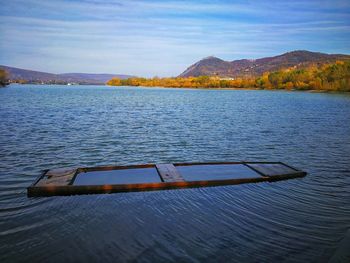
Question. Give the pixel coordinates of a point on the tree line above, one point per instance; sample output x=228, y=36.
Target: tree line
x=329, y=77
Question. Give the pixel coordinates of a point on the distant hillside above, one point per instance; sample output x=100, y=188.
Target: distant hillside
x=98, y=78
x=30, y=76
x=212, y=66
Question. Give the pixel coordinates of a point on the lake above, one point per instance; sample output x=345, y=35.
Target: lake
x=300, y=220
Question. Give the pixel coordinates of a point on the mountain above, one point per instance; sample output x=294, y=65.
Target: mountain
x=98, y=78
x=212, y=66
x=30, y=76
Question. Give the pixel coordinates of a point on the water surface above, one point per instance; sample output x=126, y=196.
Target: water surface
x=301, y=220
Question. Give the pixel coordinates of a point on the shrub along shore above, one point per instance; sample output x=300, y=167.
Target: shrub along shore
x=3, y=78
x=329, y=77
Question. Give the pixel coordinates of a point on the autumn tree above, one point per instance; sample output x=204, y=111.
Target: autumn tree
x=114, y=82
x=3, y=78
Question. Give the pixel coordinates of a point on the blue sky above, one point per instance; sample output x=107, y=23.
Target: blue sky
x=162, y=38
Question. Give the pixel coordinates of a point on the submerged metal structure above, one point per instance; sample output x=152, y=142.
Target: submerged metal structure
x=146, y=177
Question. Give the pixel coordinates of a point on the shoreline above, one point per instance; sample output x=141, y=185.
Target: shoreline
x=202, y=88
x=193, y=88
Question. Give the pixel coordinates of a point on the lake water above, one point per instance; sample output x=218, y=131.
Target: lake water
x=300, y=220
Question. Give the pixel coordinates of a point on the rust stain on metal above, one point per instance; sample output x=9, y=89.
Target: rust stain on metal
x=61, y=181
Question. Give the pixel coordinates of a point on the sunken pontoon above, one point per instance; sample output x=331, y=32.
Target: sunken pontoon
x=112, y=179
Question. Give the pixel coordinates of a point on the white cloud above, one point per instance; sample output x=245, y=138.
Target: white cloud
x=162, y=37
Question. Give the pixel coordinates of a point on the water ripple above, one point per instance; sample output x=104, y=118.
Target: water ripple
x=299, y=220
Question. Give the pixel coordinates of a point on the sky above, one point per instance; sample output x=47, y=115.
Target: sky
x=163, y=38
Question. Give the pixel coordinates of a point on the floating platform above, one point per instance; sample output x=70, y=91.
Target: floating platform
x=112, y=179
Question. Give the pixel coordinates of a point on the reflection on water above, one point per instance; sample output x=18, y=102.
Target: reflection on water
x=300, y=220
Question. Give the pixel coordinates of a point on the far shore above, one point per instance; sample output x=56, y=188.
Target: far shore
x=193, y=88
x=205, y=88
x=322, y=78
